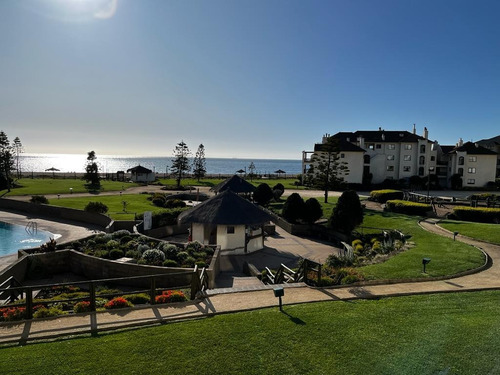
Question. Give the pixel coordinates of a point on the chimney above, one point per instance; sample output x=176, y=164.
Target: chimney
x=379, y=128
x=361, y=142
x=460, y=142
x=426, y=133
x=414, y=129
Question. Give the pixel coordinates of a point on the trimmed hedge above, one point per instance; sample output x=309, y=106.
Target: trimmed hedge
x=477, y=214
x=408, y=208
x=383, y=196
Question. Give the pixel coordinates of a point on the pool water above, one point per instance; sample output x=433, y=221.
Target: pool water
x=14, y=237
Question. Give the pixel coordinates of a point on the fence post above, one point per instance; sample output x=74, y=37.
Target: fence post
x=153, y=290
x=194, y=283
x=29, y=303
x=92, y=296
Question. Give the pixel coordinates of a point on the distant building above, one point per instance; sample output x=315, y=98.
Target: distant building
x=492, y=144
x=141, y=174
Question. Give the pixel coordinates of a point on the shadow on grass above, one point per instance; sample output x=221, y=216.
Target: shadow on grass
x=294, y=319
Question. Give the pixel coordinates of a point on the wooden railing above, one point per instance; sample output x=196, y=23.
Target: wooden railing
x=13, y=291
x=285, y=275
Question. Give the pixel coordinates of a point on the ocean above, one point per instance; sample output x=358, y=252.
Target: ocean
x=75, y=163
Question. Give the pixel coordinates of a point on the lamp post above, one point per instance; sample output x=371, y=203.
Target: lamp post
x=431, y=169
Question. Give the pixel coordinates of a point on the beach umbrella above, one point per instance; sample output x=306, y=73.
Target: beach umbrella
x=52, y=170
x=240, y=171
x=279, y=171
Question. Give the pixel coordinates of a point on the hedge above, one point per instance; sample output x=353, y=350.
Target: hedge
x=383, y=196
x=478, y=214
x=408, y=208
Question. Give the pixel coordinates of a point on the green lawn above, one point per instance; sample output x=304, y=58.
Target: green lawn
x=480, y=231
x=429, y=334
x=448, y=257
x=136, y=203
x=45, y=186
x=288, y=183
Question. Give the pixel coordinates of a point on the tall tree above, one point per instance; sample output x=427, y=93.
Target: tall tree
x=18, y=149
x=180, y=163
x=199, y=167
x=251, y=171
x=6, y=161
x=328, y=171
x=92, y=170
x=348, y=213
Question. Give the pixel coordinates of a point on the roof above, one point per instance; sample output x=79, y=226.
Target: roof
x=343, y=146
x=379, y=136
x=235, y=184
x=226, y=208
x=472, y=149
x=490, y=142
x=446, y=148
x=139, y=169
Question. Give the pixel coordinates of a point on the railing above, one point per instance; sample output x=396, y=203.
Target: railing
x=285, y=275
x=199, y=283
x=31, y=227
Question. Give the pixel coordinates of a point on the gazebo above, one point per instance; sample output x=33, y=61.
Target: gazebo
x=236, y=184
x=141, y=174
x=227, y=220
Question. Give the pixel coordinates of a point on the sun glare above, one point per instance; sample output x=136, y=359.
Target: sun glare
x=75, y=10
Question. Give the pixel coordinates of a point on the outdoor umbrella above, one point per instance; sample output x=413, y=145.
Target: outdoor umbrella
x=279, y=171
x=240, y=171
x=52, y=170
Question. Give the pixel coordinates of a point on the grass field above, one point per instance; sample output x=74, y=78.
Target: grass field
x=431, y=334
x=61, y=186
x=288, y=183
x=448, y=257
x=136, y=203
x=480, y=231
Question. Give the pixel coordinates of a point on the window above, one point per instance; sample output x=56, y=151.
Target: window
x=421, y=160
x=366, y=159
x=390, y=157
x=406, y=168
x=378, y=146
x=342, y=156
x=473, y=158
x=371, y=146
x=421, y=171
x=461, y=160
x=230, y=229
x=461, y=171
x=422, y=149
x=391, y=146
x=407, y=147
x=433, y=158
x=390, y=168
x=471, y=181
x=471, y=170
x=407, y=158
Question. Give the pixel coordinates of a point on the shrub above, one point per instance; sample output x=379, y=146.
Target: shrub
x=263, y=194
x=335, y=262
x=201, y=264
x=383, y=196
x=116, y=254
x=47, y=312
x=153, y=256
x=39, y=199
x=118, y=303
x=125, y=240
x=408, y=208
x=112, y=244
x=10, y=314
x=482, y=215
x=102, y=238
x=199, y=255
x=348, y=212
x=164, y=217
x=189, y=262
x=326, y=281
x=142, y=248
x=197, y=246
x=138, y=298
x=121, y=233
x=170, y=263
x=48, y=246
x=96, y=207
x=174, y=203
x=170, y=296
x=279, y=186
x=82, y=307
x=133, y=254
x=312, y=211
x=170, y=250
x=349, y=279
x=293, y=208
x=102, y=254
x=182, y=256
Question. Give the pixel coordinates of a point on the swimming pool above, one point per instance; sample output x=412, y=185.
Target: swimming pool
x=14, y=237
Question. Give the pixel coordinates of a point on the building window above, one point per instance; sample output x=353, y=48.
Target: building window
x=378, y=146
x=406, y=168
x=230, y=230
x=342, y=156
x=407, y=147
x=391, y=146
x=371, y=146
x=461, y=160
x=471, y=170
x=390, y=168
x=421, y=171
x=422, y=160
x=422, y=149
x=471, y=181
x=366, y=159
x=433, y=158
x=390, y=157
x=407, y=158
x=473, y=158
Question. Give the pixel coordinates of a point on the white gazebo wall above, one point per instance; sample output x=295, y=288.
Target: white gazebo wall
x=231, y=241
x=198, y=233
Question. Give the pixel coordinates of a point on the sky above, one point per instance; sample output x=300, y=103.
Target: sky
x=255, y=79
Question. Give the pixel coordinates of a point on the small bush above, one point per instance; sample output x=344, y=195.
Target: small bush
x=170, y=250
x=182, y=256
x=170, y=263
x=349, y=279
x=133, y=254
x=39, y=199
x=408, y=208
x=125, y=240
x=477, y=214
x=170, y=296
x=138, y=298
x=10, y=314
x=116, y=254
x=47, y=312
x=120, y=234
x=143, y=248
x=96, y=207
x=293, y=208
x=189, y=262
x=335, y=262
x=326, y=281
x=82, y=307
x=118, y=303
x=174, y=203
x=153, y=256
x=112, y=244
x=195, y=245
x=383, y=196
x=102, y=254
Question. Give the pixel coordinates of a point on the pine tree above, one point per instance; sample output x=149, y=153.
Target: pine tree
x=6, y=161
x=180, y=163
x=92, y=170
x=18, y=149
x=199, y=168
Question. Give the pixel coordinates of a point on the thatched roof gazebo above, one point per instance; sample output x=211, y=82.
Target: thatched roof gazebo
x=227, y=220
x=236, y=184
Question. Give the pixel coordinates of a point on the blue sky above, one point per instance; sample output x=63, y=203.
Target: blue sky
x=258, y=78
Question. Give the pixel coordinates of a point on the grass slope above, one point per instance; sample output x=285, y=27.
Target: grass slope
x=431, y=334
x=448, y=257
x=480, y=231
x=39, y=186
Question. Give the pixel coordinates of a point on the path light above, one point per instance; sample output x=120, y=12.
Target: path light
x=279, y=292
x=425, y=261
x=455, y=234
x=71, y=190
